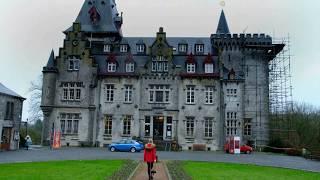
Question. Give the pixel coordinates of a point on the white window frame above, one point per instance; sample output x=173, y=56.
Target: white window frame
x=127, y=125
x=183, y=48
x=199, y=48
x=247, y=127
x=191, y=68
x=107, y=48
x=232, y=92
x=208, y=127
x=130, y=67
x=140, y=48
x=69, y=123
x=109, y=92
x=74, y=64
x=190, y=127
x=71, y=91
x=112, y=67
x=190, y=95
x=160, y=64
x=231, y=124
x=208, y=68
x=123, y=48
x=159, y=89
x=209, y=94
x=128, y=93
x=108, y=125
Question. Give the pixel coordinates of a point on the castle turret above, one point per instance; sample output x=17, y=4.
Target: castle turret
x=48, y=93
x=223, y=27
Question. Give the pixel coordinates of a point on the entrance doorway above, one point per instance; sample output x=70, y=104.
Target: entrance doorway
x=5, y=138
x=158, y=122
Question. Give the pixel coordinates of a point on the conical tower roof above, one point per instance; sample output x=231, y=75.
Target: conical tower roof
x=223, y=27
x=99, y=16
x=50, y=63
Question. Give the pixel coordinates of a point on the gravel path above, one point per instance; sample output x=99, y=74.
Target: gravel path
x=265, y=159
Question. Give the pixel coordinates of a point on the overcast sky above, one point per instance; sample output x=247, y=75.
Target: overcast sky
x=31, y=28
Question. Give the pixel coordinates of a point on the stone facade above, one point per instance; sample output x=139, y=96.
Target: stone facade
x=10, y=118
x=104, y=87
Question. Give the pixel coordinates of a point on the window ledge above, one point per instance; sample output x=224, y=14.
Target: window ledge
x=125, y=135
x=209, y=104
x=128, y=103
x=208, y=138
x=190, y=103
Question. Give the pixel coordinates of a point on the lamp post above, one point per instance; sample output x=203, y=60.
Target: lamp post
x=26, y=123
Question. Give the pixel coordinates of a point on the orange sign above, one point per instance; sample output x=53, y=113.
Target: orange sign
x=56, y=140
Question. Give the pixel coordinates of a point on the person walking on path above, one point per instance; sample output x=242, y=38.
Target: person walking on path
x=150, y=157
x=28, y=142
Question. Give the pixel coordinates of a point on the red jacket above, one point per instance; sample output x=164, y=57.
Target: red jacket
x=149, y=152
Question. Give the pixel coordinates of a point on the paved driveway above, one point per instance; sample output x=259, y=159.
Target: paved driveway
x=45, y=154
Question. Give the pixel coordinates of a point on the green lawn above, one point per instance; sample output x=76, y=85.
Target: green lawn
x=56, y=170
x=204, y=170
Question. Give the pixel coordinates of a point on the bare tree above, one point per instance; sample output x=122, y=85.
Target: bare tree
x=35, y=91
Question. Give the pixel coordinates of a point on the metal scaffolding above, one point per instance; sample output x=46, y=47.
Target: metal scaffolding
x=280, y=90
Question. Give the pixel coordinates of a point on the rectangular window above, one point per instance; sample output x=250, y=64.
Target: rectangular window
x=130, y=67
x=231, y=92
x=160, y=64
x=208, y=68
x=147, y=126
x=199, y=48
x=169, y=127
x=123, y=48
x=190, y=127
x=9, y=111
x=231, y=124
x=209, y=95
x=109, y=92
x=112, y=67
x=72, y=91
x=191, y=68
x=140, y=48
x=128, y=94
x=108, y=125
x=69, y=123
x=74, y=63
x=183, y=48
x=63, y=126
x=127, y=124
x=107, y=48
x=247, y=127
x=208, y=127
x=159, y=94
x=190, y=95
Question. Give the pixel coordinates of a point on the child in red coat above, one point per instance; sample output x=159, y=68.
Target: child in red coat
x=150, y=156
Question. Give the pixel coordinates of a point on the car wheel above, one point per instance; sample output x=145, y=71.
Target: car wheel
x=133, y=150
x=112, y=149
x=248, y=152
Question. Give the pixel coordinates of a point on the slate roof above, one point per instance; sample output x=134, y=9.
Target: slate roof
x=6, y=91
x=108, y=14
x=50, y=63
x=223, y=27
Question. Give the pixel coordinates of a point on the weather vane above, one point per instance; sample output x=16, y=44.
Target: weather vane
x=222, y=3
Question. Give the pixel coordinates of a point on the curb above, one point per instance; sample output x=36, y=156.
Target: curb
x=167, y=170
x=134, y=171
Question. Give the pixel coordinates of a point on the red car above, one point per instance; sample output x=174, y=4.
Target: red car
x=246, y=149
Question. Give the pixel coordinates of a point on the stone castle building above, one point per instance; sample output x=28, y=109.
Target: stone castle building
x=104, y=86
x=11, y=105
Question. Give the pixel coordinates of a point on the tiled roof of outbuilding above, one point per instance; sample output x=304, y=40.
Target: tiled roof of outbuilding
x=6, y=91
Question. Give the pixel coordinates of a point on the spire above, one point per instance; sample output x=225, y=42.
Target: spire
x=99, y=16
x=50, y=63
x=223, y=25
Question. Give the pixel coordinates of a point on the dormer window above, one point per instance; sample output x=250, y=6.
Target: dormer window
x=107, y=48
x=160, y=64
x=112, y=67
x=130, y=67
x=123, y=48
x=74, y=64
x=191, y=68
x=140, y=48
x=208, y=68
x=199, y=48
x=183, y=48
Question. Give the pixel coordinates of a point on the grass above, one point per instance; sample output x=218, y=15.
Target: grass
x=207, y=170
x=56, y=170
